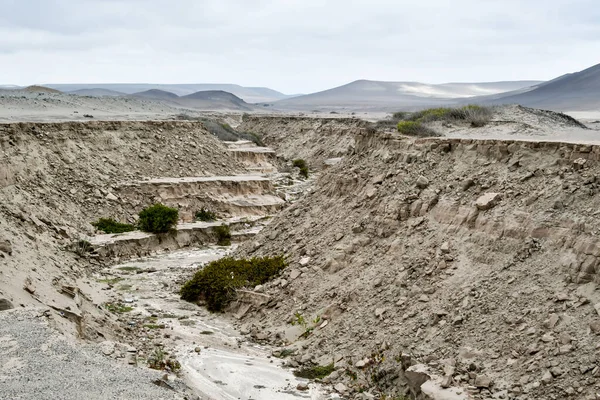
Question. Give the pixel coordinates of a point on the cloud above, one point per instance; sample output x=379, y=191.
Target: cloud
x=293, y=45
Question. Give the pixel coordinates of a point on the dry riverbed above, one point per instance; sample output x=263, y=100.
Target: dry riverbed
x=216, y=361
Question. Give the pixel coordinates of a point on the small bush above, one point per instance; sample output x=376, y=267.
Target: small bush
x=82, y=247
x=304, y=172
x=158, y=361
x=206, y=215
x=109, y=225
x=158, y=218
x=302, y=166
x=414, y=128
x=217, y=281
x=223, y=235
x=299, y=163
x=317, y=372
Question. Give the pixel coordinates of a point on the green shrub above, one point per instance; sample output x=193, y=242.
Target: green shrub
x=302, y=166
x=216, y=282
x=472, y=113
x=109, y=225
x=299, y=163
x=205, y=215
x=304, y=172
x=400, y=115
x=431, y=114
x=317, y=372
x=159, y=361
x=414, y=128
x=158, y=218
x=223, y=235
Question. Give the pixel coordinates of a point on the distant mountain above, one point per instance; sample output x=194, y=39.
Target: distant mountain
x=248, y=94
x=156, y=94
x=96, y=92
x=214, y=100
x=579, y=91
x=365, y=94
x=39, y=89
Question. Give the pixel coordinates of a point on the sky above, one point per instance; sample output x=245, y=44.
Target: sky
x=294, y=46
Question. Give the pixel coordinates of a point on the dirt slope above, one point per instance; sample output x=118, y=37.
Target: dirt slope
x=471, y=262
x=571, y=92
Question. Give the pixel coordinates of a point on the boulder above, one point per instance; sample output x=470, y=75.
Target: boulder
x=422, y=182
x=6, y=247
x=295, y=274
x=488, y=201
x=483, y=382
x=416, y=376
x=340, y=388
x=5, y=305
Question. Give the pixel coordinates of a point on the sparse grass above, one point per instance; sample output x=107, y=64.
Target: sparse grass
x=223, y=235
x=117, y=308
x=188, y=322
x=217, y=282
x=154, y=326
x=316, y=372
x=205, y=215
x=168, y=316
x=414, y=128
x=111, y=281
x=158, y=218
x=109, y=225
x=286, y=353
x=82, y=247
x=414, y=124
x=125, y=288
x=158, y=361
x=129, y=269
x=476, y=115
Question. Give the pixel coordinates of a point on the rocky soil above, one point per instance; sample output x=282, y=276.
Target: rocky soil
x=38, y=363
x=468, y=263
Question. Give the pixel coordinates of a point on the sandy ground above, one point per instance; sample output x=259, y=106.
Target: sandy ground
x=513, y=123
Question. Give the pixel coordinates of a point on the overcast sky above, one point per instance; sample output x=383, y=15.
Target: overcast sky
x=294, y=45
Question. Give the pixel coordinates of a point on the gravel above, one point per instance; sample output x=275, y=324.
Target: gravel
x=37, y=363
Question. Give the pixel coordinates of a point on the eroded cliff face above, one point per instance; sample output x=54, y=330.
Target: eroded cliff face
x=476, y=258
x=312, y=139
